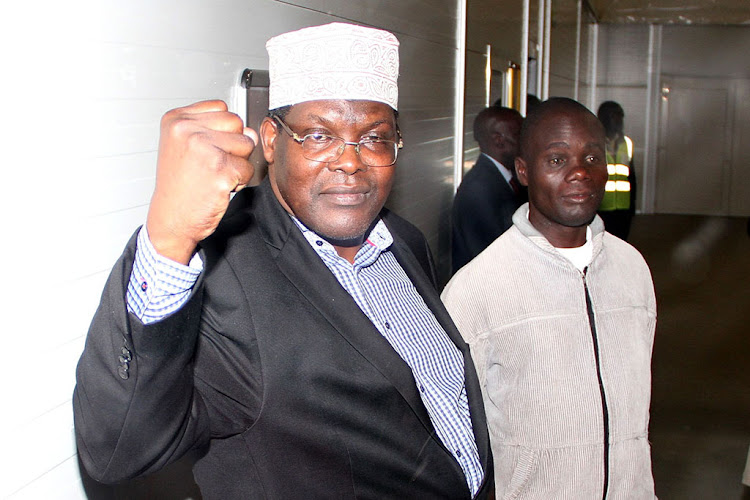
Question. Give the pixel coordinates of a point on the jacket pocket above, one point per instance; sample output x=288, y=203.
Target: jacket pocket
x=526, y=463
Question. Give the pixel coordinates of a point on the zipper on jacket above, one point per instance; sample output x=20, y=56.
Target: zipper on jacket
x=605, y=411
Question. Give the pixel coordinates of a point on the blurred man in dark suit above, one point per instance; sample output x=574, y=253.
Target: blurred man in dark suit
x=489, y=193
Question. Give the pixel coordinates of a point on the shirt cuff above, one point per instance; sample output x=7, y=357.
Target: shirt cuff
x=159, y=286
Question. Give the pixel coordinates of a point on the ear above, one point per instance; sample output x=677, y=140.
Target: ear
x=268, y=135
x=521, y=171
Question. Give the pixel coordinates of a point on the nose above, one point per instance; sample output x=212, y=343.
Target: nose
x=349, y=162
x=579, y=170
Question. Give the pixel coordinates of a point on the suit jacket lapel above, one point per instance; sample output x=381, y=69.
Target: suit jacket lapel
x=493, y=173
x=307, y=272
x=304, y=269
x=420, y=280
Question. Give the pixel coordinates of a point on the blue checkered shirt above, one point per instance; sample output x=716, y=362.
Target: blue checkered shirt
x=158, y=286
x=385, y=294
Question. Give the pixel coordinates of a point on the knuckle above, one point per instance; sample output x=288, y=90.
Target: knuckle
x=182, y=127
x=217, y=104
x=168, y=118
x=213, y=159
x=232, y=122
x=236, y=121
x=248, y=145
x=195, y=141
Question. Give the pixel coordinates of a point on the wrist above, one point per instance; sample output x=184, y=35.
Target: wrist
x=169, y=245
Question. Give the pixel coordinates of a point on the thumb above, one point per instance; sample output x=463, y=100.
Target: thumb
x=252, y=134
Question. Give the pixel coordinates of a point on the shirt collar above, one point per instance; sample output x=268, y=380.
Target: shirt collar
x=379, y=240
x=507, y=174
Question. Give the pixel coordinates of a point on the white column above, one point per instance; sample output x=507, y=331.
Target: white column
x=653, y=94
x=594, y=59
x=576, y=77
x=547, y=36
x=460, y=76
x=540, y=48
x=524, y=57
x=487, y=75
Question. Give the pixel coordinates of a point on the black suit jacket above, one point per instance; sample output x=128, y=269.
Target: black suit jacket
x=482, y=210
x=273, y=371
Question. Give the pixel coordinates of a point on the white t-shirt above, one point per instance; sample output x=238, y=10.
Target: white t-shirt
x=580, y=256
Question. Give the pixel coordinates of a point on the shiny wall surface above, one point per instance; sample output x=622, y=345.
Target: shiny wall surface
x=563, y=50
x=497, y=24
x=568, y=39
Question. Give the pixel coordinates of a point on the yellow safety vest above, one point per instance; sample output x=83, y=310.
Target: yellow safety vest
x=617, y=190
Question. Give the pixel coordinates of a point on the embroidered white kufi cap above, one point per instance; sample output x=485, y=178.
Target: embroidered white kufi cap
x=333, y=61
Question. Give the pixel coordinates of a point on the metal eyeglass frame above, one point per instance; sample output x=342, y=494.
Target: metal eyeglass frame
x=357, y=145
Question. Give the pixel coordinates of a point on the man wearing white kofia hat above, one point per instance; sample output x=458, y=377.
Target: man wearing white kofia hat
x=292, y=335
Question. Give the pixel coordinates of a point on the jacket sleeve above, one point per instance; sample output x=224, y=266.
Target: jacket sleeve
x=481, y=212
x=135, y=407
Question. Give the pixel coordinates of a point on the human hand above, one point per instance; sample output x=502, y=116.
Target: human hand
x=203, y=158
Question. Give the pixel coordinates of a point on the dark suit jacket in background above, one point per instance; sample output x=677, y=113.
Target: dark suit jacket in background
x=482, y=210
x=273, y=371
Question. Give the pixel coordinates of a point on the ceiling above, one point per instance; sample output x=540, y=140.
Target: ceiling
x=734, y=12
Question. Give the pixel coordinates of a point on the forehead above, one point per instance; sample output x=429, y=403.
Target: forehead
x=496, y=118
x=508, y=125
x=568, y=126
x=343, y=112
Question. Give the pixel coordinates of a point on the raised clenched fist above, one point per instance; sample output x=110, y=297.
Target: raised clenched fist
x=203, y=158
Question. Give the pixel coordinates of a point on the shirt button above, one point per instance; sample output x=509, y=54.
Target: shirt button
x=144, y=286
x=421, y=388
x=319, y=243
x=387, y=325
x=458, y=453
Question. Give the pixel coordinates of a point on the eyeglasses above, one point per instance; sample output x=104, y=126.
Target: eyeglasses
x=372, y=151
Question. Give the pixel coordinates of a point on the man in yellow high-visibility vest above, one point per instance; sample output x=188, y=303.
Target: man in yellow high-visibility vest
x=618, y=205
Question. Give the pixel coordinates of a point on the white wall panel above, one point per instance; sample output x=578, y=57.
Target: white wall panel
x=623, y=56
x=61, y=483
x=710, y=54
x=51, y=446
x=694, y=147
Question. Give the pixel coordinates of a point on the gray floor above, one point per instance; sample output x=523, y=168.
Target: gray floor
x=700, y=411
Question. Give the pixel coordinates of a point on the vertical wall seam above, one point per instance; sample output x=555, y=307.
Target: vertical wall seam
x=460, y=75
